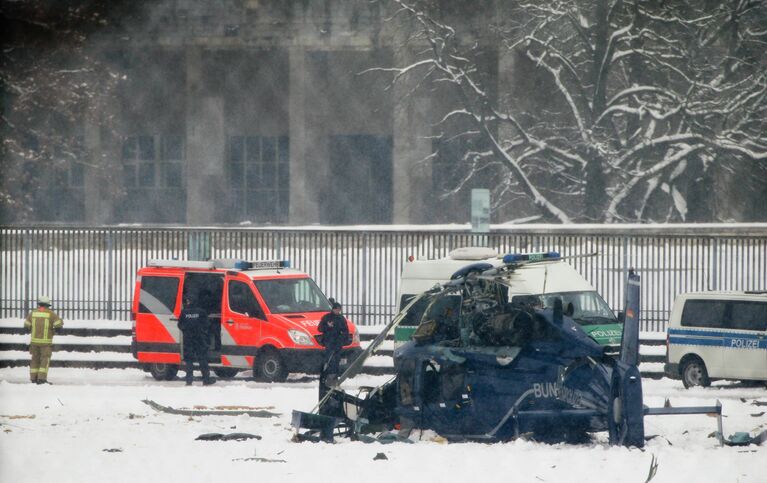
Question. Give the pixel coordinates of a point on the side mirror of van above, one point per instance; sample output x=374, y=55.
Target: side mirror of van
x=621, y=317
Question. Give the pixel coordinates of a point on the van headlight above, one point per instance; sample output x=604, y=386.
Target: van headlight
x=300, y=337
x=356, y=338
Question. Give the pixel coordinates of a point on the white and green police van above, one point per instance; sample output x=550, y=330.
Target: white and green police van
x=717, y=335
x=543, y=282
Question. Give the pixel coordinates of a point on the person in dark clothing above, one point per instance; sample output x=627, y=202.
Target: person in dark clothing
x=335, y=335
x=193, y=323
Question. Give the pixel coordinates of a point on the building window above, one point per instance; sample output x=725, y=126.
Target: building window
x=69, y=179
x=456, y=170
x=153, y=161
x=153, y=173
x=172, y=161
x=258, y=171
x=68, y=163
x=139, y=162
x=362, y=165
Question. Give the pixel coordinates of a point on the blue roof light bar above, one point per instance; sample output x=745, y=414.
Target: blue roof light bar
x=261, y=264
x=530, y=257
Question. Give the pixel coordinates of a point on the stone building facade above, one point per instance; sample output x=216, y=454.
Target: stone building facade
x=259, y=111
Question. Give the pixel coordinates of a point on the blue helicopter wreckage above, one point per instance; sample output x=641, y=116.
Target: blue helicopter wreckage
x=482, y=369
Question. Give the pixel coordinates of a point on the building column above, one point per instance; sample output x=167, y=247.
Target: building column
x=411, y=167
x=98, y=202
x=301, y=210
x=205, y=144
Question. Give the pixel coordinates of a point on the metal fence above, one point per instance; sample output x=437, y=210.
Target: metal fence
x=90, y=271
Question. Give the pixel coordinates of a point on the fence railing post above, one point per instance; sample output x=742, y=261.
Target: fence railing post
x=364, y=294
x=713, y=283
x=110, y=272
x=25, y=304
x=625, y=268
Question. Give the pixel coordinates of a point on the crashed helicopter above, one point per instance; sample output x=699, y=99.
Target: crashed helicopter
x=482, y=369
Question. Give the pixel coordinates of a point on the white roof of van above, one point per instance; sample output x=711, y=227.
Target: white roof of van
x=548, y=277
x=440, y=269
x=271, y=272
x=723, y=293
x=533, y=278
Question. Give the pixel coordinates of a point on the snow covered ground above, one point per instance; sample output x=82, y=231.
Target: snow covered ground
x=92, y=426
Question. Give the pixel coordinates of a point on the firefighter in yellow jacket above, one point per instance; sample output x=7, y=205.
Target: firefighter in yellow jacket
x=42, y=322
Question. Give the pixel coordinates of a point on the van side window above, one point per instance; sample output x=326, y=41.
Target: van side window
x=749, y=315
x=241, y=300
x=206, y=289
x=158, y=295
x=704, y=313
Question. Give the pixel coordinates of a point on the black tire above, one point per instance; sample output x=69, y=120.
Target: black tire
x=694, y=373
x=226, y=372
x=163, y=372
x=269, y=367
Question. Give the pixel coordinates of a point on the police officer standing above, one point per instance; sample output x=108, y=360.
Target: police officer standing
x=335, y=335
x=42, y=323
x=193, y=323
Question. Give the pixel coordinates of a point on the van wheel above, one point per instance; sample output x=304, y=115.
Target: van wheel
x=694, y=373
x=269, y=367
x=163, y=372
x=225, y=372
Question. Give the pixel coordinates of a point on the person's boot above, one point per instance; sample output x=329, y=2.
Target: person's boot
x=206, y=379
x=188, y=381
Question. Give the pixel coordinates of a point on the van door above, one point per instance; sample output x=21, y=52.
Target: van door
x=207, y=290
x=157, y=333
x=242, y=320
x=702, y=332
x=745, y=347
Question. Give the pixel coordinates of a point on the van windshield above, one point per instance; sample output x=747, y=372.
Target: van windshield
x=588, y=308
x=292, y=295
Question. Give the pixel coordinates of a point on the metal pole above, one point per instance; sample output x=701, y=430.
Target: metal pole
x=625, y=269
x=364, y=278
x=278, y=245
x=713, y=283
x=110, y=269
x=26, y=273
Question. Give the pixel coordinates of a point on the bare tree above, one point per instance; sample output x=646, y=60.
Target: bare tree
x=53, y=82
x=634, y=100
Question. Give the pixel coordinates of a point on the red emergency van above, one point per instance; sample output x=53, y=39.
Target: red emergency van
x=263, y=315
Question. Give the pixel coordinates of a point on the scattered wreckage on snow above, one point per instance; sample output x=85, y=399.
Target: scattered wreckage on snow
x=479, y=368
